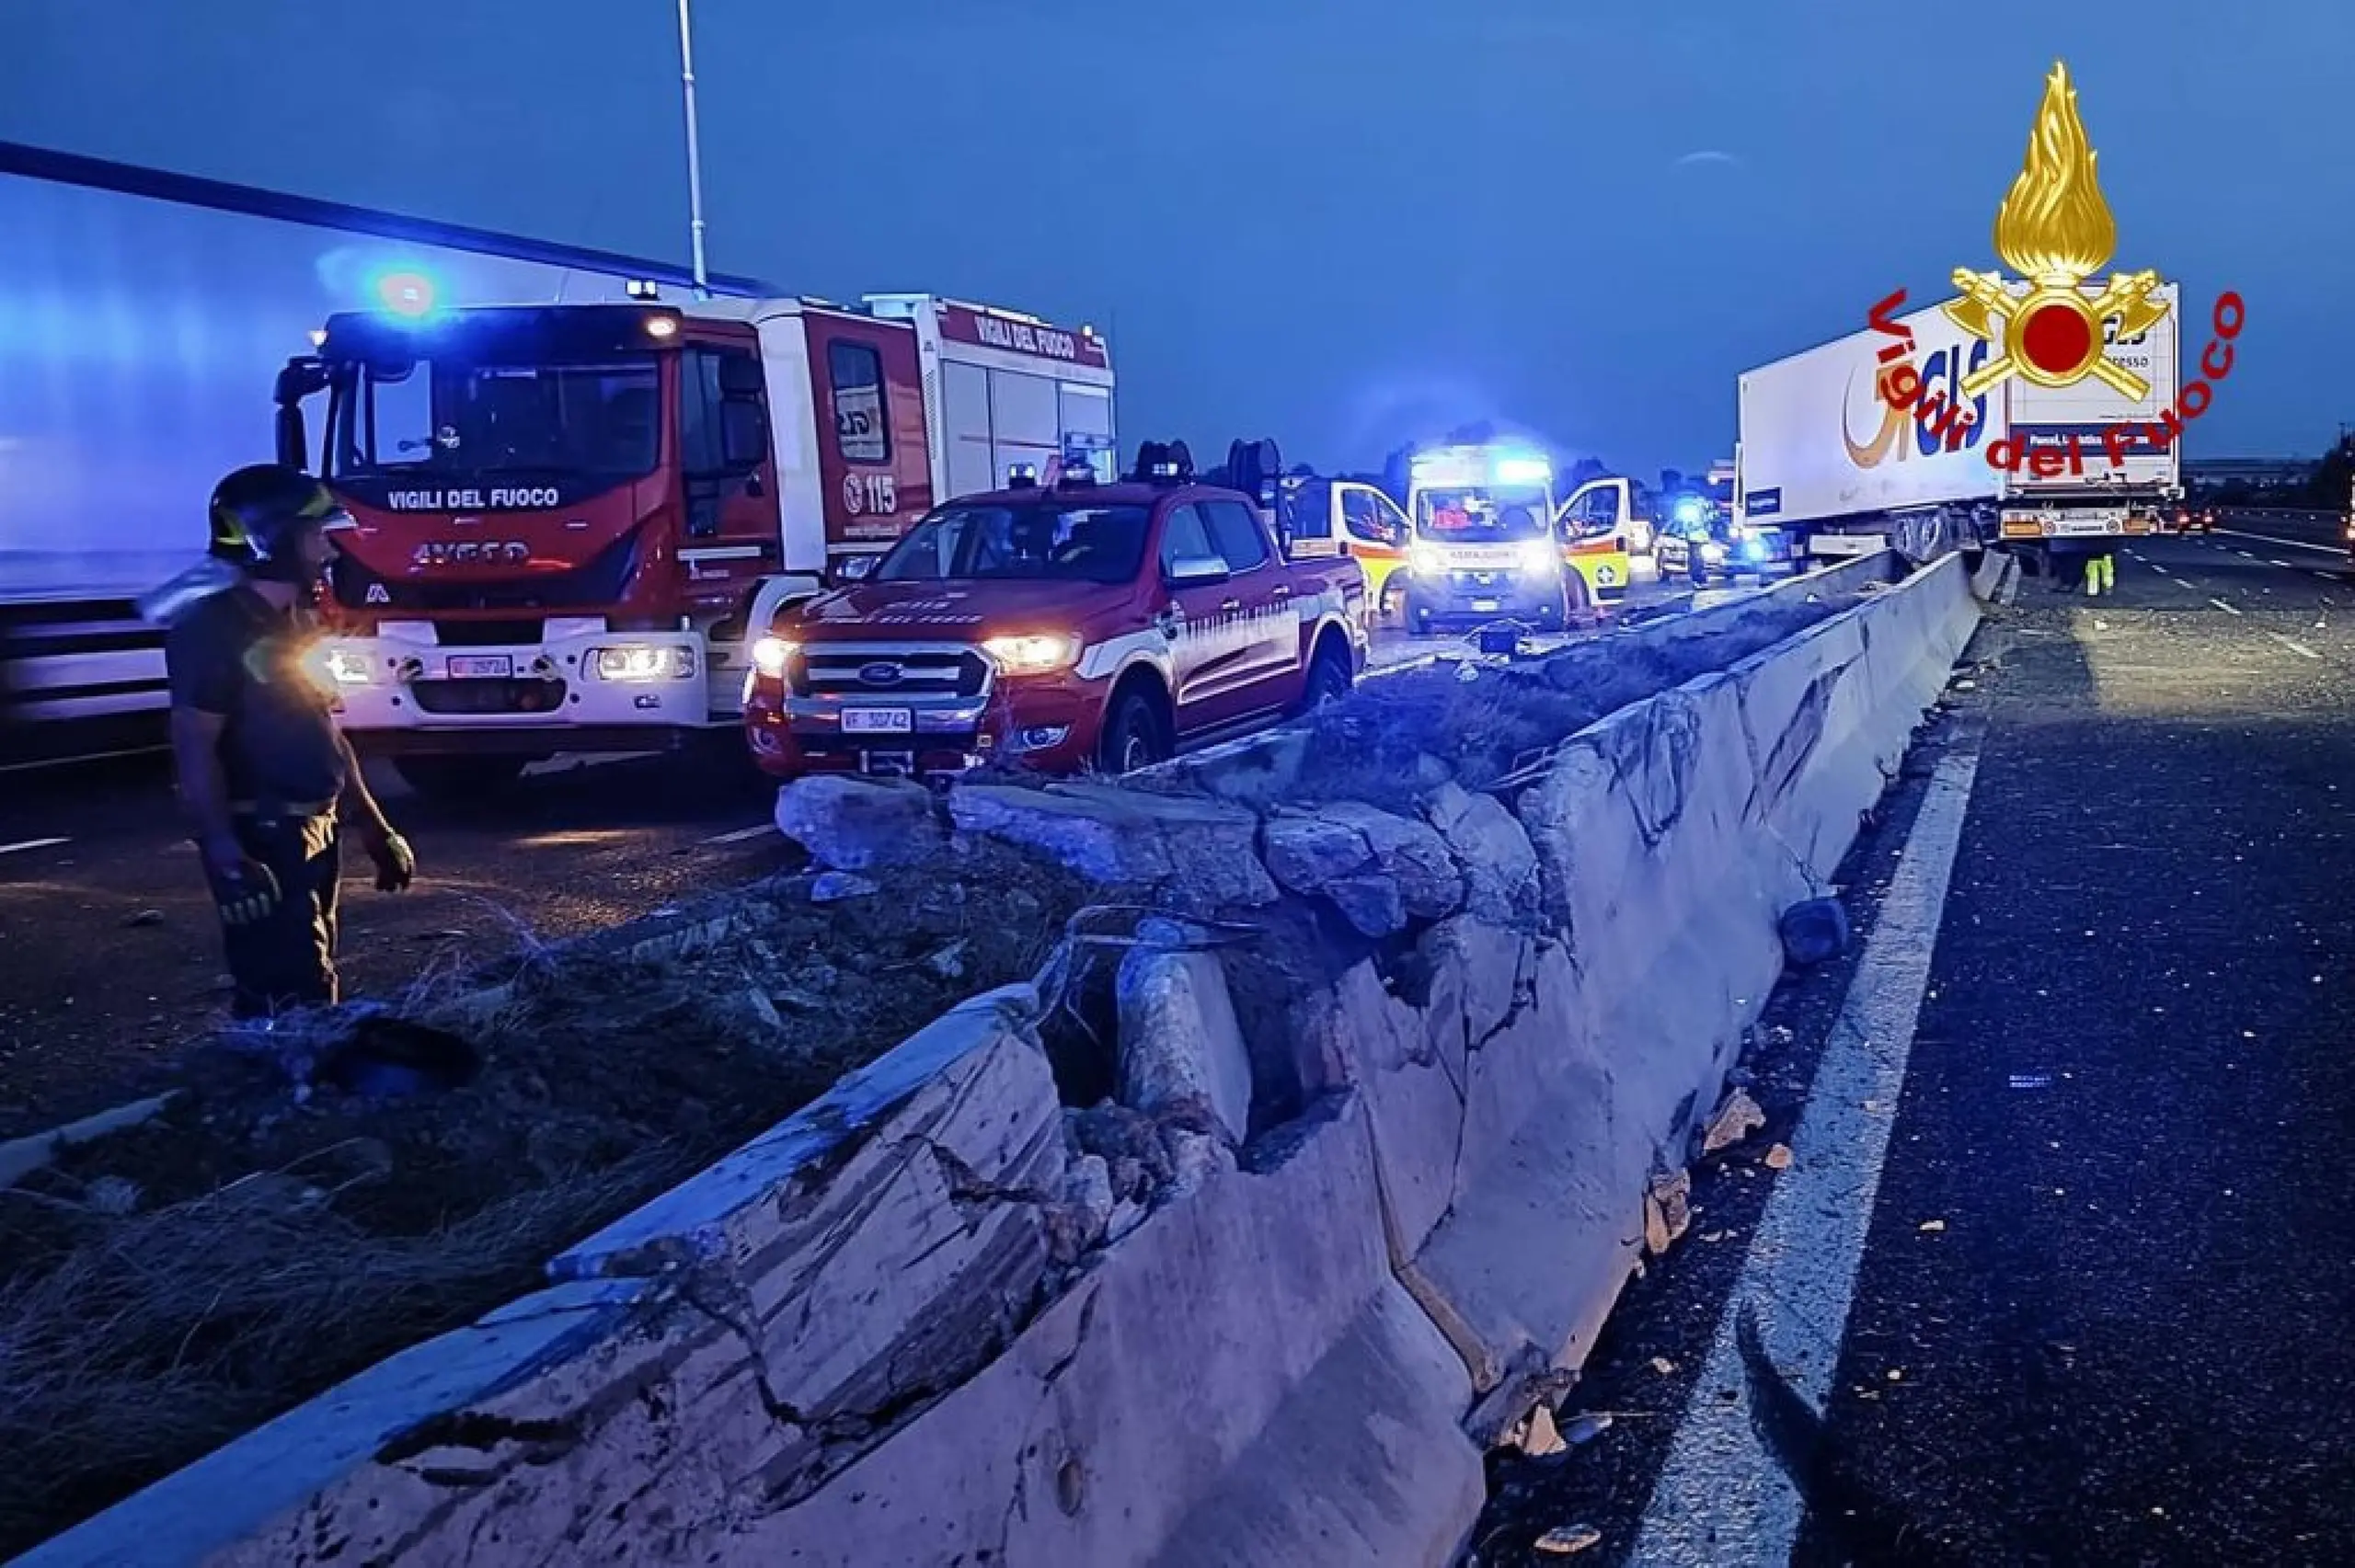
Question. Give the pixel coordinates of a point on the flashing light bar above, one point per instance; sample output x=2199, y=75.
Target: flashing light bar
x=1522, y=470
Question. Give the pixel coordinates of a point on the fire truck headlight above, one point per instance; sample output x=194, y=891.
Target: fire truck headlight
x=1426, y=560
x=1034, y=655
x=1537, y=558
x=636, y=663
x=346, y=668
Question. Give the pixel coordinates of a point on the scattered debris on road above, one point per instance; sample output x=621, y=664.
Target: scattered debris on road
x=1779, y=1157
x=1568, y=1539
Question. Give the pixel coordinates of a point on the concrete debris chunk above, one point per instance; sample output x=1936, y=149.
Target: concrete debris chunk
x=1306, y=853
x=1083, y=1210
x=1568, y=1541
x=1181, y=1047
x=1202, y=854
x=1539, y=1438
x=1499, y=862
x=834, y=887
x=1411, y=853
x=857, y=824
x=1736, y=1118
x=1372, y=904
x=1779, y=1157
x=1668, y=1210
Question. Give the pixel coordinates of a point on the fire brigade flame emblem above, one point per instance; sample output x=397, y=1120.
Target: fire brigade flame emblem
x=2056, y=232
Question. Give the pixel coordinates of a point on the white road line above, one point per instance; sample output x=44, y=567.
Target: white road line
x=740, y=834
x=31, y=844
x=2296, y=647
x=2224, y=607
x=1721, y=1500
x=2283, y=564
x=2285, y=543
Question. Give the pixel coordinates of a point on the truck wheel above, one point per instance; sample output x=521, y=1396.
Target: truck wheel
x=459, y=780
x=1133, y=736
x=1329, y=678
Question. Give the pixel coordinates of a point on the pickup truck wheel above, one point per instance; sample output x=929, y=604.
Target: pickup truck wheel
x=1328, y=679
x=1133, y=736
x=459, y=780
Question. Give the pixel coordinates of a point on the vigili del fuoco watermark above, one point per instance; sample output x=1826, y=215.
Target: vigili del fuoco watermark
x=2055, y=230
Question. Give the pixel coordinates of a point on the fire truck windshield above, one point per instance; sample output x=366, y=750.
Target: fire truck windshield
x=453, y=417
x=1481, y=515
x=1046, y=542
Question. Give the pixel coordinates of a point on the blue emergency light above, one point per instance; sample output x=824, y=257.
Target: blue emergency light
x=1522, y=470
x=405, y=292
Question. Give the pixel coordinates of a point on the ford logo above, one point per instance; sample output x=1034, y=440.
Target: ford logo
x=878, y=674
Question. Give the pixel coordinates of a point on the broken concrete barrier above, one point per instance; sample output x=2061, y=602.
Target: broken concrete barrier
x=1181, y=1049
x=1201, y=854
x=941, y=1317
x=856, y=824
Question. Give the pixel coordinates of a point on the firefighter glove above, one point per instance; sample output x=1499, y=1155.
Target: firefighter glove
x=245, y=892
x=395, y=861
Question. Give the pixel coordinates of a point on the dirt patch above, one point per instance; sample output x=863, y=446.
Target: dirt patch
x=167, y=1287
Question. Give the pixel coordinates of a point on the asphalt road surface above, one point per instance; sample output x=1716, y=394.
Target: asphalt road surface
x=109, y=956
x=2061, y=1267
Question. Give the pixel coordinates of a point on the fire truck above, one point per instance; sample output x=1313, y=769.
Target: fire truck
x=574, y=521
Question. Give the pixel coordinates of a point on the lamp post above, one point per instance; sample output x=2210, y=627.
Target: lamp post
x=694, y=156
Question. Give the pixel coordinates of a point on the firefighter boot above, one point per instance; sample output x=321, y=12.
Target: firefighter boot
x=2109, y=574
x=2093, y=575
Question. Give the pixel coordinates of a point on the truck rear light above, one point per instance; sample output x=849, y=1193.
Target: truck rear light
x=634, y=662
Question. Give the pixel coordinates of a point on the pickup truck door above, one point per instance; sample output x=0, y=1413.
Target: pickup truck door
x=1273, y=670
x=1201, y=620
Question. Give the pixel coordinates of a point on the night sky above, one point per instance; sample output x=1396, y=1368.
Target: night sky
x=1343, y=225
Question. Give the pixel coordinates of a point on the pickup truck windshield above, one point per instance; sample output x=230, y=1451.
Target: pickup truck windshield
x=1045, y=542
x=453, y=417
x=1481, y=516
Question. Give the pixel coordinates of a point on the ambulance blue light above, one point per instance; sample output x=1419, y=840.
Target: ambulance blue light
x=1688, y=509
x=1522, y=470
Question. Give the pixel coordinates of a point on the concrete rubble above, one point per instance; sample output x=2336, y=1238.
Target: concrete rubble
x=941, y=1312
x=855, y=824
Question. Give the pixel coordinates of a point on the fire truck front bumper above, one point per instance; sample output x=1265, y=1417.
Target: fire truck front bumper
x=404, y=683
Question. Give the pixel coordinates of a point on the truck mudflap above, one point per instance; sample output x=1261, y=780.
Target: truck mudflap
x=589, y=679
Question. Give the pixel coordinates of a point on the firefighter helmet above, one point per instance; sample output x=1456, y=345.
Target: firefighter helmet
x=258, y=510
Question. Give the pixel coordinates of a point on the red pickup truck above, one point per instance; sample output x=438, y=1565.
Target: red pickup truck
x=1061, y=626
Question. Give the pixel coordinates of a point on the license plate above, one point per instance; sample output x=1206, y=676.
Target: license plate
x=1485, y=604
x=878, y=721
x=480, y=665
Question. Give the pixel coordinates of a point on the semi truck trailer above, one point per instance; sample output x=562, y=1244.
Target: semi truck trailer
x=1828, y=464
x=143, y=317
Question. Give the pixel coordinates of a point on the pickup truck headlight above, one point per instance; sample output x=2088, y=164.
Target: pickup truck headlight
x=1537, y=558
x=1034, y=655
x=769, y=655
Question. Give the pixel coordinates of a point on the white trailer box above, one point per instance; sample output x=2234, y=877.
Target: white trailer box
x=1821, y=448
x=1820, y=443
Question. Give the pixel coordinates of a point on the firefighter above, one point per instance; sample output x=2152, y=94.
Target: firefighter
x=268, y=779
x=2101, y=570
